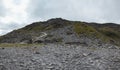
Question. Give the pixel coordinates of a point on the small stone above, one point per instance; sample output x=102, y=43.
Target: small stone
x=3, y=48
x=85, y=54
x=37, y=52
x=49, y=67
x=2, y=67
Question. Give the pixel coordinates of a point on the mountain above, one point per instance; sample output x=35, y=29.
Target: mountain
x=60, y=30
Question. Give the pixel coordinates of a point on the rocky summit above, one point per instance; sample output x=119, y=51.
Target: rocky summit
x=60, y=44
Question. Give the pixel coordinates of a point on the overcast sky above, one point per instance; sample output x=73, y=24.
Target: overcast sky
x=15, y=14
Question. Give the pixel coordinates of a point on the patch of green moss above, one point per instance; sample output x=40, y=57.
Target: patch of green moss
x=110, y=32
x=82, y=28
x=48, y=27
x=105, y=35
x=49, y=36
x=59, y=39
x=113, y=35
x=18, y=45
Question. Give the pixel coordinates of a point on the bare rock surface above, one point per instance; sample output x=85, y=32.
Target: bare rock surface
x=59, y=57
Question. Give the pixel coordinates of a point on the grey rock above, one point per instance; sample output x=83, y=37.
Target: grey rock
x=2, y=67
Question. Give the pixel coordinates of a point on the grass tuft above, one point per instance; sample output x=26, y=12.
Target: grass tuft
x=18, y=45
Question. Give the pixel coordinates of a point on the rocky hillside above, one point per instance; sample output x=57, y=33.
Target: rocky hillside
x=59, y=30
x=66, y=45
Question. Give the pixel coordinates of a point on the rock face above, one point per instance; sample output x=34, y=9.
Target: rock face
x=59, y=57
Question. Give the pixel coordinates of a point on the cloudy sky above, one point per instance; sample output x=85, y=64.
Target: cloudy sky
x=15, y=14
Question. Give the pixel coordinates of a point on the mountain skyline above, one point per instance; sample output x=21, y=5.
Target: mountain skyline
x=58, y=30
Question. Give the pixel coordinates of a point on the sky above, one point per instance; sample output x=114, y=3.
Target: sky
x=16, y=14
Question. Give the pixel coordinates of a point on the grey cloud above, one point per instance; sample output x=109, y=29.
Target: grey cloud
x=87, y=10
x=17, y=2
x=11, y=26
x=49, y=8
x=110, y=10
x=2, y=9
x=5, y=28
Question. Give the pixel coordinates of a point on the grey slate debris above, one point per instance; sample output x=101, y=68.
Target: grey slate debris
x=59, y=57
